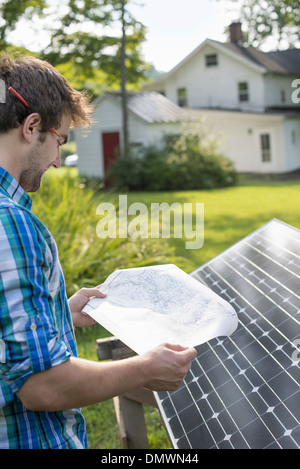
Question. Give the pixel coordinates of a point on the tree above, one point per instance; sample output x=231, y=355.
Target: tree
x=86, y=48
x=85, y=40
x=123, y=77
x=11, y=12
x=276, y=19
x=90, y=38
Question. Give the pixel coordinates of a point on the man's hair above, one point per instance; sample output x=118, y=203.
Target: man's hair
x=46, y=91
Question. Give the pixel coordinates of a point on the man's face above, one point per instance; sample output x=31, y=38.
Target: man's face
x=44, y=153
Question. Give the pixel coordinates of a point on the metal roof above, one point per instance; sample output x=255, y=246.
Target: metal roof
x=152, y=107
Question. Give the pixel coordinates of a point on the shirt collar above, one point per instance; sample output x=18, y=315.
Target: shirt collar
x=13, y=189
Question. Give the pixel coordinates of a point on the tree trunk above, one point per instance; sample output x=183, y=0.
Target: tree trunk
x=123, y=80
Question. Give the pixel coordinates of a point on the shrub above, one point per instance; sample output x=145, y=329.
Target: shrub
x=185, y=162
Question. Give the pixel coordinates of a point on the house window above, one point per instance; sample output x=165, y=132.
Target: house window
x=211, y=60
x=182, y=97
x=243, y=91
x=265, y=145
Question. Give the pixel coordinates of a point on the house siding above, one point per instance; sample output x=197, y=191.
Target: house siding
x=274, y=87
x=239, y=134
x=213, y=92
x=157, y=132
x=108, y=118
x=291, y=131
x=215, y=86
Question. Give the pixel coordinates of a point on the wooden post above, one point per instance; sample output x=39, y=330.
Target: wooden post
x=129, y=406
x=131, y=423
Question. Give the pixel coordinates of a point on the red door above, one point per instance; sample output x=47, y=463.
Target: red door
x=111, y=148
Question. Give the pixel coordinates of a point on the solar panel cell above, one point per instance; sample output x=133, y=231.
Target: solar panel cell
x=243, y=391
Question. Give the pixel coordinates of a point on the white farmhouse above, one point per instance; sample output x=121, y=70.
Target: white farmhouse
x=250, y=97
x=151, y=116
x=247, y=97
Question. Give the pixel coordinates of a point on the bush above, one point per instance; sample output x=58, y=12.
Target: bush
x=185, y=162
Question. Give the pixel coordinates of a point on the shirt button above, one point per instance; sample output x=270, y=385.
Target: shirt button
x=33, y=327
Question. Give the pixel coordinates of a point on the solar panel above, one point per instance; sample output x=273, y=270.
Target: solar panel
x=243, y=391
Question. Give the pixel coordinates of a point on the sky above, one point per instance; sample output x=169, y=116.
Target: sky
x=175, y=27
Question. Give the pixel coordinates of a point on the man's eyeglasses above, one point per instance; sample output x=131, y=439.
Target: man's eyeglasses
x=61, y=140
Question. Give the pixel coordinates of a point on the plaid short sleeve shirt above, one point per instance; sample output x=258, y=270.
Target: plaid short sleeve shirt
x=36, y=330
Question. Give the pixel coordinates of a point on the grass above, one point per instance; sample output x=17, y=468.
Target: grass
x=70, y=213
x=230, y=214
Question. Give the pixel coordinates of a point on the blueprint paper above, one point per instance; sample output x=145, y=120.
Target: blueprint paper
x=147, y=306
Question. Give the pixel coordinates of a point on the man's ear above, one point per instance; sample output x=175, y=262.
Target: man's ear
x=31, y=126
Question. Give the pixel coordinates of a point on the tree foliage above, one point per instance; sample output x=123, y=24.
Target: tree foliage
x=89, y=37
x=84, y=40
x=276, y=19
x=12, y=11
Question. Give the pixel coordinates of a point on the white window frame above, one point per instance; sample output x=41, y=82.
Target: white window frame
x=265, y=153
x=244, y=95
x=182, y=97
x=211, y=60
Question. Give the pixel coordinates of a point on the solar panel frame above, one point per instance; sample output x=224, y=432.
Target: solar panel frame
x=243, y=391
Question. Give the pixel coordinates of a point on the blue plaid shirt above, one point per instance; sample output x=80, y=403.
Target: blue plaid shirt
x=36, y=330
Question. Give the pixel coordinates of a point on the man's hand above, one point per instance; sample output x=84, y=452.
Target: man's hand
x=165, y=366
x=78, y=301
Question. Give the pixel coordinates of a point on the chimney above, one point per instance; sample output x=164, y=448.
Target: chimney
x=236, y=36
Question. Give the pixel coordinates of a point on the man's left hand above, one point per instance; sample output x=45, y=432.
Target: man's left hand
x=78, y=301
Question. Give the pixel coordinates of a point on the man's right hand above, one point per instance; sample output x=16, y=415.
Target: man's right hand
x=166, y=366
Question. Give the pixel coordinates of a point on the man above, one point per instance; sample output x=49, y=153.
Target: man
x=43, y=382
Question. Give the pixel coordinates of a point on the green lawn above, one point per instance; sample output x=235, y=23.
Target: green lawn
x=230, y=214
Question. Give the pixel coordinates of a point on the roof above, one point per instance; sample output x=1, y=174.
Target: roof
x=289, y=59
x=286, y=62
x=150, y=106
